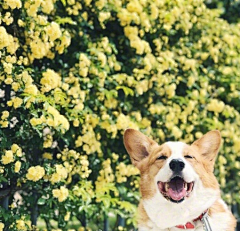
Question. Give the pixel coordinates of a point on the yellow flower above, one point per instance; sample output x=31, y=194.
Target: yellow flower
x=20, y=224
x=31, y=89
x=78, y=141
x=26, y=78
x=47, y=155
x=13, y=44
x=39, y=48
x=55, y=178
x=177, y=133
x=10, y=59
x=122, y=121
x=35, y=173
x=13, y=4
x=103, y=16
x=15, y=86
x=102, y=58
x=8, y=70
x=62, y=171
x=76, y=123
x=8, y=157
x=57, y=120
x=61, y=174
x=28, y=223
x=130, y=31
x=71, y=2
x=48, y=140
x=17, y=166
x=5, y=115
x=47, y=6
x=50, y=80
x=83, y=72
x=170, y=90
x=67, y=216
x=4, y=124
x=21, y=23
x=53, y=31
x=37, y=121
x=4, y=41
x=1, y=170
x=138, y=44
x=1, y=226
x=134, y=6
x=65, y=41
x=8, y=19
x=16, y=102
x=84, y=61
x=198, y=135
x=61, y=193
x=215, y=106
x=16, y=150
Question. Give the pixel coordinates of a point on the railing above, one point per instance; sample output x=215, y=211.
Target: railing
x=235, y=213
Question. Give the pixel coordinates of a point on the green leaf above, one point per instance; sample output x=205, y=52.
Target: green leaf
x=3, y=179
x=41, y=201
x=64, y=2
x=66, y=20
x=127, y=90
x=110, y=94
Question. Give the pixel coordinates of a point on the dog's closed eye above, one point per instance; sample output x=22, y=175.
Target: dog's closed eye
x=162, y=157
x=188, y=157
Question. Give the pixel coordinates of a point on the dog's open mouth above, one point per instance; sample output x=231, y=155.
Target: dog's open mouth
x=176, y=190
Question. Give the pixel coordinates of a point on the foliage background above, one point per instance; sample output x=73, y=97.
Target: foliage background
x=229, y=9
x=75, y=74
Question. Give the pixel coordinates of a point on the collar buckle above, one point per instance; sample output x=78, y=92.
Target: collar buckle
x=205, y=222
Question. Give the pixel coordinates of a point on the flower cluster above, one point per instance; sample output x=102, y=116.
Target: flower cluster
x=61, y=194
x=60, y=174
x=10, y=156
x=52, y=119
x=35, y=173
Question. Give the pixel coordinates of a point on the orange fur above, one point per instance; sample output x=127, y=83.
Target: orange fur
x=217, y=207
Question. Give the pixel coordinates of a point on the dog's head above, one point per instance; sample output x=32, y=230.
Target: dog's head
x=174, y=170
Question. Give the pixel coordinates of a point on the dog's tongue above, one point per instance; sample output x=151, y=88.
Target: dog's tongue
x=176, y=189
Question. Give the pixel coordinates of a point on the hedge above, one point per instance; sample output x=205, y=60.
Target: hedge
x=75, y=74
x=229, y=9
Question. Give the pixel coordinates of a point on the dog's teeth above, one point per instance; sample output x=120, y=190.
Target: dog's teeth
x=166, y=187
x=185, y=185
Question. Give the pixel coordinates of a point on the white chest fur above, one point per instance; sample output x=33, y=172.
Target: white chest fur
x=218, y=222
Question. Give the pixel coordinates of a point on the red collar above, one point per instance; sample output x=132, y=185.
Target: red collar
x=190, y=225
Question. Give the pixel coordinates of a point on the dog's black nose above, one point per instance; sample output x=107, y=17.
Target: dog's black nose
x=177, y=165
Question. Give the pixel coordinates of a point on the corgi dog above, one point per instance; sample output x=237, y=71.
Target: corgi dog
x=178, y=188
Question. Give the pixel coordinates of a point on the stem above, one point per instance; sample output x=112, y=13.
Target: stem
x=5, y=202
x=34, y=210
x=121, y=221
x=47, y=222
x=83, y=220
x=106, y=223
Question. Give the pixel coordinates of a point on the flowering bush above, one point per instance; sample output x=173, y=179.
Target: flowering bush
x=75, y=74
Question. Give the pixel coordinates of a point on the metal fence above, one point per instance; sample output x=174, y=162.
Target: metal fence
x=235, y=213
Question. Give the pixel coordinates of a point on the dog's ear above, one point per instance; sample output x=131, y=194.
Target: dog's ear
x=137, y=145
x=209, y=144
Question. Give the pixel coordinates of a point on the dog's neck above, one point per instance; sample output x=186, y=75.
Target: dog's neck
x=191, y=225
